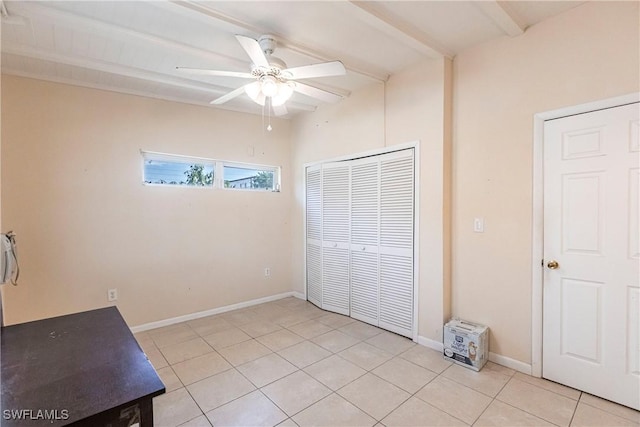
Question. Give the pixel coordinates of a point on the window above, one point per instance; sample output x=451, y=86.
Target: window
x=246, y=177
x=168, y=169
x=176, y=170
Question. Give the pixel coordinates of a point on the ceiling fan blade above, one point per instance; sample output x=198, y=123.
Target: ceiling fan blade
x=324, y=69
x=314, y=92
x=218, y=73
x=280, y=110
x=253, y=49
x=229, y=96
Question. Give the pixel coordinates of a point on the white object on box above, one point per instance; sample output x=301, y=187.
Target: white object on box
x=466, y=343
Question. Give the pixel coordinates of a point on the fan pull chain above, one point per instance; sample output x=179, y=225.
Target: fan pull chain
x=269, y=128
x=263, y=117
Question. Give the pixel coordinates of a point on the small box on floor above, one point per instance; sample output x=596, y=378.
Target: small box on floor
x=466, y=343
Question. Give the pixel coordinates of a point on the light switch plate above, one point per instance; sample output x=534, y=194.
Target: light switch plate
x=478, y=225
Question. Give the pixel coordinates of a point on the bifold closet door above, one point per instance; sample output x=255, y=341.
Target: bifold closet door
x=365, y=201
x=314, y=234
x=335, y=236
x=396, y=242
x=360, y=228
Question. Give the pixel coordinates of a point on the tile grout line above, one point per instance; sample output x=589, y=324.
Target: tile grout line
x=551, y=391
x=575, y=409
x=493, y=399
x=306, y=407
x=637, y=421
x=526, y=411
x=433, y=406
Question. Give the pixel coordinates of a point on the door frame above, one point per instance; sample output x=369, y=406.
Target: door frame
x=537, y=252
x=416, y=214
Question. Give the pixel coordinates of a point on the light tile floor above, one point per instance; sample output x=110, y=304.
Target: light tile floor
x=289, y=363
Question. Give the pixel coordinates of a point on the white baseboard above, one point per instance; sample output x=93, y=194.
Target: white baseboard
x=495, y=358
x=508, y=362
x=199, y=314
x=428, y=342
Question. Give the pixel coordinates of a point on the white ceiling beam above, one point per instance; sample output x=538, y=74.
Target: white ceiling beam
x=112, y=31
x=108, y=67
x=92, y=85
x=350, y=64
x=380, y=19
x=503, y=16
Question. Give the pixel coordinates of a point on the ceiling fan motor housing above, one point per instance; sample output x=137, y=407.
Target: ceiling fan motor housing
x=268, y=43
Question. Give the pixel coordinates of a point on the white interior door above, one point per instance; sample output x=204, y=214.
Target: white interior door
x=336, y=194
x=591, y=319
x=365, y=218
x=314, y=234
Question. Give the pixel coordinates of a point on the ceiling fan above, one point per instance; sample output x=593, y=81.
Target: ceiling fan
x=274, y=83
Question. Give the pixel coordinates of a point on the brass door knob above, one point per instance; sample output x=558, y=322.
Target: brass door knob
x=552, y=265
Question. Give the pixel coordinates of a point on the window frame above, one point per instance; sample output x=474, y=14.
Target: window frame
x=176, y=158
x=241, y=165
x=218, y=171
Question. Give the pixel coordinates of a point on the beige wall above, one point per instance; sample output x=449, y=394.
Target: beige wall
x=411, y=107
x=586, y=54
x=72, y=191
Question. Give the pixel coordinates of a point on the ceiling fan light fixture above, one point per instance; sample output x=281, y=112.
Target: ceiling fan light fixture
x=285, y=90
x=269, y=86
x=253, y=90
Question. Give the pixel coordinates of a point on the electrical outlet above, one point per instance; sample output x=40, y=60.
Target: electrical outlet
x=112, y=294
x=267, y=272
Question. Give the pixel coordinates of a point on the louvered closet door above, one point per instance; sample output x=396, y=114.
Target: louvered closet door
x=314, y=235
x=396, y=242
x=335, y=237
x=365, y=192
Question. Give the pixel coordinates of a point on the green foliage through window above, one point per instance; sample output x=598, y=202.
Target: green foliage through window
x=196, y=175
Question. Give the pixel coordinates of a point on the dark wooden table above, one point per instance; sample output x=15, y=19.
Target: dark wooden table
x=80, y=369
